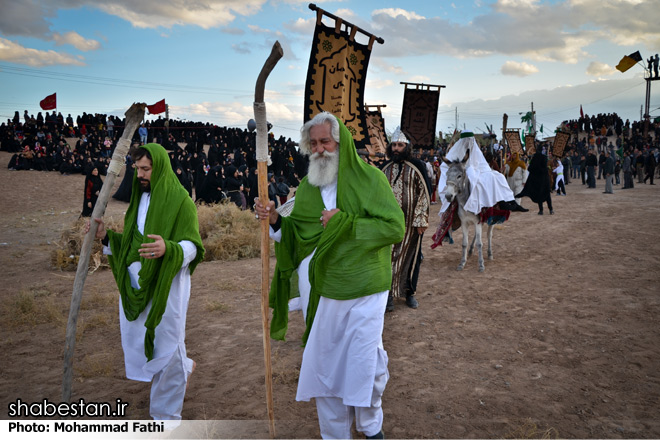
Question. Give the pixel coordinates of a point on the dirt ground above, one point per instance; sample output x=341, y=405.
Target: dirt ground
x=559, y=337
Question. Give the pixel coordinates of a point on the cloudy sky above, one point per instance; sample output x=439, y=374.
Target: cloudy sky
x=204, y=56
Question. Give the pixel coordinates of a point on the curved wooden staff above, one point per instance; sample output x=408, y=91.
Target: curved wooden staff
x=262, y=167
x=134, y=116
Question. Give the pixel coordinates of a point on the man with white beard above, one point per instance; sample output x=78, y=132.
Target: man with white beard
x=338, y=237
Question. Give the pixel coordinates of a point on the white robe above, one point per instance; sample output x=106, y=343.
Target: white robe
x=487, y=186
x=517, y=180
x=344, y=353
x=560, y=175
x=169, y=340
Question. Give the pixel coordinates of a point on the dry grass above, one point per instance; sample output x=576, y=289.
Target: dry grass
x=97, y=365
x=228, y=233
x=95, y=300
x=529, y=429
x=240, y=285
x=66, y=254
x=283, y=371
x=102, y=320
x=31, y=306
x=215, y=306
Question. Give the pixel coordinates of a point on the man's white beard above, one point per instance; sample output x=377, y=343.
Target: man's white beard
x=323, y=169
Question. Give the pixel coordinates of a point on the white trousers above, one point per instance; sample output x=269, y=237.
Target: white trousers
x=168, y=388
x=336, y=419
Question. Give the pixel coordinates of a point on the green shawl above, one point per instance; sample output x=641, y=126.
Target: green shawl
x=172, y=215
x=353, y=252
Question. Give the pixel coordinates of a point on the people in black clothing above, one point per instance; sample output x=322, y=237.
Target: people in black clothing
x=93, y=184
x=252, y=186
x=628, y=168
x=234, y=187
x=591, y=164
x=649, y=167
x=184, y=179
x=601, y=163
x=212, y=190
x=282, y=190
x=537, y=186
x=272, y=188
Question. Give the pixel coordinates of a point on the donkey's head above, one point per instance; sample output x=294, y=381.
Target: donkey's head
x=456, y=177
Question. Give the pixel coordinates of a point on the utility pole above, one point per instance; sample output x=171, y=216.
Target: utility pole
x=533, y=120
x=647, y=101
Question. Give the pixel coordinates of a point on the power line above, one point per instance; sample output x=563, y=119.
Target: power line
x=125, y=83
x=83, y=79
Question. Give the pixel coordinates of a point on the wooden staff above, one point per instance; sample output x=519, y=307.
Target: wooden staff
x=134, y=115
x=505, y=142
x=262, y=167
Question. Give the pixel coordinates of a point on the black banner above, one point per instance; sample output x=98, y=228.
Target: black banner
x=418, y=116
x=336, y=79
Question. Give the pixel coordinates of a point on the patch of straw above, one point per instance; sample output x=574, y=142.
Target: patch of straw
x=96, y=300
x=99, y=321
x=215, y=306
x=530, y=430
x=66, y=252
x=97, y=365
x=30, y=307
x=228, y=233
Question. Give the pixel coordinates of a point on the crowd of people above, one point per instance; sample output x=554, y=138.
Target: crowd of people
x=225, y=169
x=593, y=157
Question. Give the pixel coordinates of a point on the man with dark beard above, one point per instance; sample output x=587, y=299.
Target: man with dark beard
x=410, y=184
x=152, y=261
x=338, y=237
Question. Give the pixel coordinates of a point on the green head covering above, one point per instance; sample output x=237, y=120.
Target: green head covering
x=353, y=252
x=172, y=215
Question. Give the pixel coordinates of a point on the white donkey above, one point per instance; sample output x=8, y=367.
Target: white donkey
x=458, y=187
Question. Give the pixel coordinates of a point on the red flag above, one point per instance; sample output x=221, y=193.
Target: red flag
x=156, y=108
x=581, y=112
x=49, y=102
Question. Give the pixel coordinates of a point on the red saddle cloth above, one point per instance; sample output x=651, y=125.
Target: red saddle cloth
x=446, y=221
x=491, y=216
x=494, y=215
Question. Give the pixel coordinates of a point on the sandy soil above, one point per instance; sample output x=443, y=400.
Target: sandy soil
x=560, y=334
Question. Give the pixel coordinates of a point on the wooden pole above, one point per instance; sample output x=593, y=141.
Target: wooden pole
x=133, y=117
x=505, y=142
x=262, y=167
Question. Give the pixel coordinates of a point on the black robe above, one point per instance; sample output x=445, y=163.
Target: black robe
x=123, y=193
x=537, y=186
x=210, y=192
x=93, y=185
